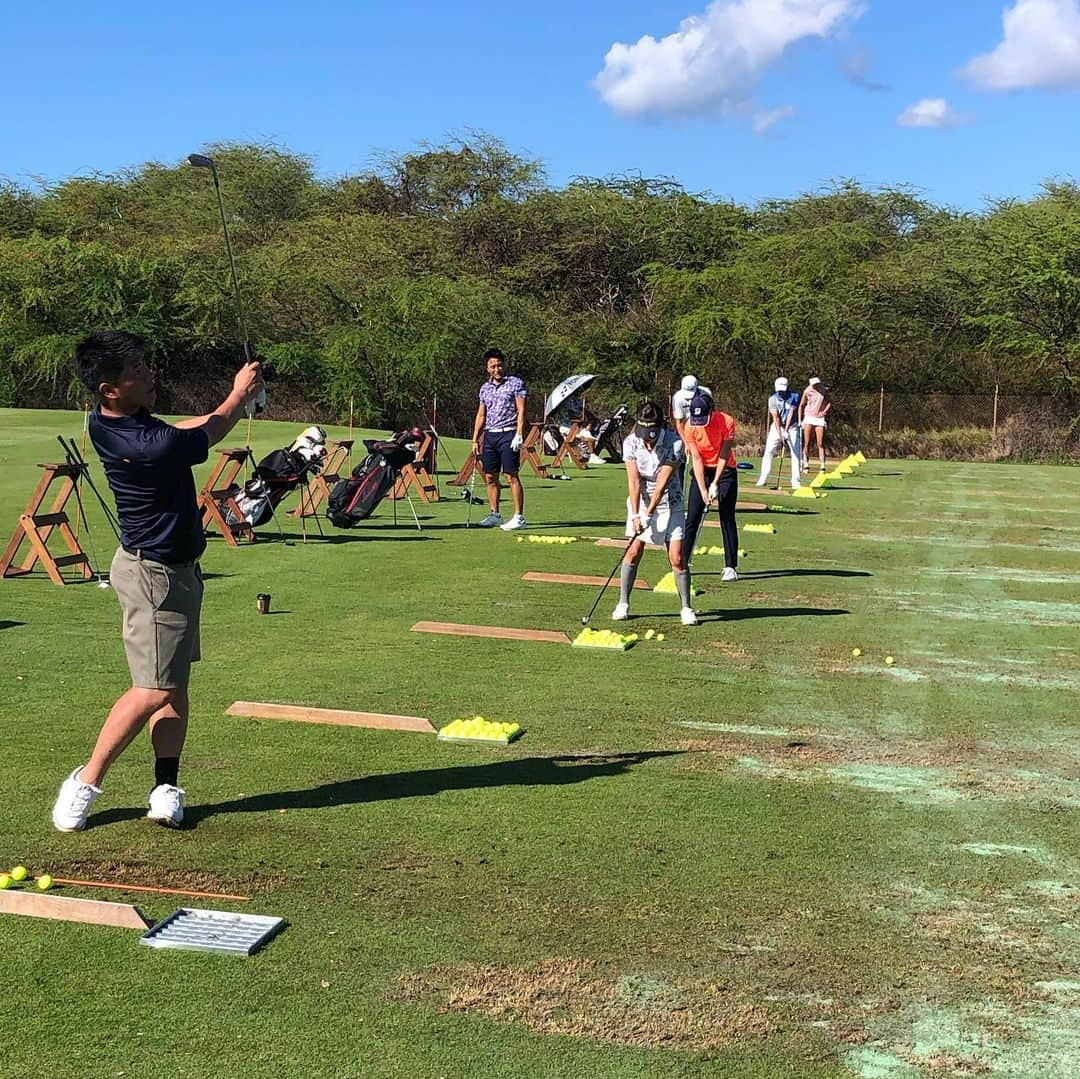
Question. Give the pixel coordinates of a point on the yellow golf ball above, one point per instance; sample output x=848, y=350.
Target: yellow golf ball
x=659, y=636
x=44, y=882
x=889, y=661
x=19, y=873
x=856, y=652
x=5, y=881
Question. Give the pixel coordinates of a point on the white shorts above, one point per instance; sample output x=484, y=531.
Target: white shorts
x=666, y=526
x=814, y=421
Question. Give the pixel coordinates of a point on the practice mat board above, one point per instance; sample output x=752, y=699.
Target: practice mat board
x=194, y=930
x=573, y=578
x=504, y=633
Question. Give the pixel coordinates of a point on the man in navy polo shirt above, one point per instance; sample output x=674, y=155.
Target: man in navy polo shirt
x=155, y=573
x=498, y=434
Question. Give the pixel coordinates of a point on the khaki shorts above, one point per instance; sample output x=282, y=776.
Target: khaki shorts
x=161, y=605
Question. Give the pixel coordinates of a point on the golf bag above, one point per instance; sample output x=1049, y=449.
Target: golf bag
x=355, y=499
x=276, y=475
x=609, y=434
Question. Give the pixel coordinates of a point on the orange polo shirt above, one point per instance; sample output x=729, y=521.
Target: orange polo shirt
x=709, y=439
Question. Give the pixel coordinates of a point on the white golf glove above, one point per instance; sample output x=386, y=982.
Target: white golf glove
x=516, y=443
x=712, y=491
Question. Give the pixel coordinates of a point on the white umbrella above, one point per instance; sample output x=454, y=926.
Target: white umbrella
x=567, y=388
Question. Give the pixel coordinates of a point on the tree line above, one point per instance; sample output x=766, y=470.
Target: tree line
x=384, y=288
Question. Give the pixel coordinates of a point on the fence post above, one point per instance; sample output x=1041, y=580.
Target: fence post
x=995, y=409
x=881, y=410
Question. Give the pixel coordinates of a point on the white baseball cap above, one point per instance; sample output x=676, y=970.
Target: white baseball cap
x=780, y=385
x=815, y=381
x=689, y=383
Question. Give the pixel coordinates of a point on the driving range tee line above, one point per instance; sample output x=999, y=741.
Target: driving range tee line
x=573, y=578
x=504, y=633
x=335, y=716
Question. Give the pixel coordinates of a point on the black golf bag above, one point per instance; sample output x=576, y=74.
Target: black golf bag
x=276, y=475
x=355, y=499
x=609, y=434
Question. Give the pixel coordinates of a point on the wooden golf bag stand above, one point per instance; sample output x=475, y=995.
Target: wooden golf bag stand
x=417, y=475
x=320, y=485
x=215, y=494
x=35, y=528
x=529, y=456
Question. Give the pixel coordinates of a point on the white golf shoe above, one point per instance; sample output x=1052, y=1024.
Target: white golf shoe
x=515, y=522
x=73, y=803
x=166, y=805
x=621, y=612
x=492, y=520
x=688, y=617
x=729, y=574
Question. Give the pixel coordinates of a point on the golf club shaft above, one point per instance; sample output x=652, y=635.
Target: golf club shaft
x=611, y=576
x=232, y=266
x=780, y=469
x=76, y=460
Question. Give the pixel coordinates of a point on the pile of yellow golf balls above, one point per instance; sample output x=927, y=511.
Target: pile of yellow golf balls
x=604, y=638
x=481, y=729
x=708, y=550
x=548, y=539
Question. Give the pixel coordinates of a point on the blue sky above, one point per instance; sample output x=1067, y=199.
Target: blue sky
x=749, y=101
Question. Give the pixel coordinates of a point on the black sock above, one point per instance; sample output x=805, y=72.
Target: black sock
x=166, y=771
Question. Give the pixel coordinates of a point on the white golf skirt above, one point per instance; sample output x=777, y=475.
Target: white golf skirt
x=814, y=421
x=666, y=526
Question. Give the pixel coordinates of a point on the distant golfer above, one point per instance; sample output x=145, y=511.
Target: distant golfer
x=680, y=403
x=710, y=438
x=783, y=430
x=813, y=408
x=498, y=435
x=654, y=508
x=155, y=573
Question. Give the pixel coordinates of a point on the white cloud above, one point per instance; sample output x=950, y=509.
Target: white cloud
x=711, y=65
x=1041, y=48
x=930, y=112
x=764, y=120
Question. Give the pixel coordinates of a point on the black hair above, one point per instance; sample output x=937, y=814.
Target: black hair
x=494, y=354
x=101, y=357
x=649, y=413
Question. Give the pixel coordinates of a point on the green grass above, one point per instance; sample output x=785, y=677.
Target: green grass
x=741, y=852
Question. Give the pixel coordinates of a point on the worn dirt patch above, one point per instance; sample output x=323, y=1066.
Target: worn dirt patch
x=575, y=998
x=119, y=872
x=939, y=771
x=739, y=656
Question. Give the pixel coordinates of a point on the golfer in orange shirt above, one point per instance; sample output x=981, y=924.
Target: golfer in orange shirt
x=710, y=438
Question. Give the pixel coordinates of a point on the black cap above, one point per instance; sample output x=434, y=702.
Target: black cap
x=701, y=409
x=650, y=432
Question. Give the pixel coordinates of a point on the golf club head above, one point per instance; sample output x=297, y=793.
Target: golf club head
x=200, y=161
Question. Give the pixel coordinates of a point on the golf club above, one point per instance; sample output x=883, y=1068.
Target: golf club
x=76, y=460
x=615, y=569
x=84, y=471
x=780, y=469
x=469, y=496
x=201, y=161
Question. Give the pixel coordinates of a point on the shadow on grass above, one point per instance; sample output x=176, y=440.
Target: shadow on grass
x=8, y=624
x=765, y=574
x=745, y=613
x=527, y=772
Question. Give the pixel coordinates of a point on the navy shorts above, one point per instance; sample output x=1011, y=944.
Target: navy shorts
x=497, y=456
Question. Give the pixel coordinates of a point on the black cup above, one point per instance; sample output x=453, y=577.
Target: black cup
x=262, y=600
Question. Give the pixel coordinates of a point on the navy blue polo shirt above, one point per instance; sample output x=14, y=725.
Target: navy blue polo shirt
x=148, y=465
